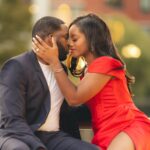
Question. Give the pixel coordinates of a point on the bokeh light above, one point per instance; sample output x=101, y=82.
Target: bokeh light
x=64, y=12
x=33, y=9
x=131, y=51
x=117, y=30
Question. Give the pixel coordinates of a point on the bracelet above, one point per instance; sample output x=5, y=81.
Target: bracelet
x=58, y=70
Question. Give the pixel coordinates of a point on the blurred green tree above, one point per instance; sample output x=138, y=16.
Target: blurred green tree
x=15, y=27
x=128, y=32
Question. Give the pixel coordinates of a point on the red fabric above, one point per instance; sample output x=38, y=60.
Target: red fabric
x=113, y=110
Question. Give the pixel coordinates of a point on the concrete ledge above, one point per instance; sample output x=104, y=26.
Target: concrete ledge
x=86, y=134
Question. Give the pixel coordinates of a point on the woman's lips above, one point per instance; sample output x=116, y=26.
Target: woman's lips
x=72, y=50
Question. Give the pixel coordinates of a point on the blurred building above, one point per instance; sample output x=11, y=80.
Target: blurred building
x=137, y=10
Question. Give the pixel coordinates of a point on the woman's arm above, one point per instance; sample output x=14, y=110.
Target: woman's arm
x=89, y=86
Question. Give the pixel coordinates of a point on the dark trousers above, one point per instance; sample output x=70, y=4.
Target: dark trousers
x=14, y=144
x=62, y=141
x=53, y=141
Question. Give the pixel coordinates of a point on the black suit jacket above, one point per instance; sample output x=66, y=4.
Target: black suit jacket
x=25, y=101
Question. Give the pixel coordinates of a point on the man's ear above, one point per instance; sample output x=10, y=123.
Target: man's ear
x=48, y=40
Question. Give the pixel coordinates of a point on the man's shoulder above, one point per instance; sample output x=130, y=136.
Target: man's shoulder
x=18, y=65
x=23, y=62
x=22, y=58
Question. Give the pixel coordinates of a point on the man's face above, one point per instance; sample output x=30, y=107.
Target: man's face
x=61, y=40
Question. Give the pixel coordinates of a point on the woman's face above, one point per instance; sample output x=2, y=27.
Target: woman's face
x=77, y=42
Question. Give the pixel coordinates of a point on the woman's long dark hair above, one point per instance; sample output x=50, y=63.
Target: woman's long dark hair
x=99, y=40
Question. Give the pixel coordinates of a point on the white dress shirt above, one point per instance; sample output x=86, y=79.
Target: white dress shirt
x=52, y=121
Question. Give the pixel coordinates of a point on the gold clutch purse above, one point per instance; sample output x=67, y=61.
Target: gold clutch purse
x=76, y=65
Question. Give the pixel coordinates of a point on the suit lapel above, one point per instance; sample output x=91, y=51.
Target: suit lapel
x=42, y=79
x=38, y=70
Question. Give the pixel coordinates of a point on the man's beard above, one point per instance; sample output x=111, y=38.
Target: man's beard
x=62, y=51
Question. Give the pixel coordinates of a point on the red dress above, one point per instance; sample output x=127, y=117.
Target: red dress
x=113, y=110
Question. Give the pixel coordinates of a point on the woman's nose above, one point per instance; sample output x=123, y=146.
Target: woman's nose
x=69, y=43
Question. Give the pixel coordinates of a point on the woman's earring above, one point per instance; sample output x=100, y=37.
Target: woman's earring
x=92, y=48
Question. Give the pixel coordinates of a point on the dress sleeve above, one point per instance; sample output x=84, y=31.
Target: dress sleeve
x=107, y=65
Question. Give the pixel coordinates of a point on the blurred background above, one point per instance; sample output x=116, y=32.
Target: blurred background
x=129, y=22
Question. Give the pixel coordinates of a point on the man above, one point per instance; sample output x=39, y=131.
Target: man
x=30, y=100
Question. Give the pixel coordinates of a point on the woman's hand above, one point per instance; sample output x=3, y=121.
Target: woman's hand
x=46, y=52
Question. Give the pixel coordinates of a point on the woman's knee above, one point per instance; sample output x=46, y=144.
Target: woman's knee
x=121, y=142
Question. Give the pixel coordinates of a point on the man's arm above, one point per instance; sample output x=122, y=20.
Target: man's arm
x=13, y=104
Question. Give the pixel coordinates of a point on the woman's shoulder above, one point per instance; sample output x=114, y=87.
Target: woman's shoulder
x=106, y=61
x=106, y=65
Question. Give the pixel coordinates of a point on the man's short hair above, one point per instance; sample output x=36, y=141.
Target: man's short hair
x=45, y=26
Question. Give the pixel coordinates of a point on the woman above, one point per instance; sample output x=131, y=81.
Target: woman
x=116, y=121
